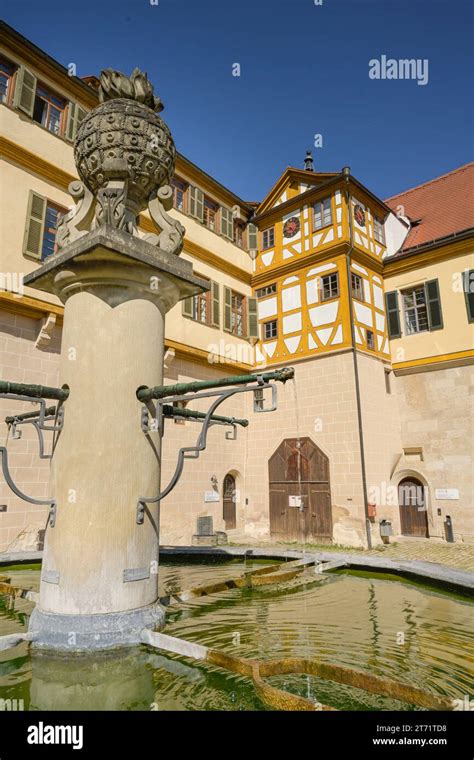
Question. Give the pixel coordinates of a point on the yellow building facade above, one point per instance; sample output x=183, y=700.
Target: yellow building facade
x=317, y=276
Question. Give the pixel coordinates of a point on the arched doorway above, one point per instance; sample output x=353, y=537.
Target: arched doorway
x=300, y=493
x=229, y=499
x=413, y=508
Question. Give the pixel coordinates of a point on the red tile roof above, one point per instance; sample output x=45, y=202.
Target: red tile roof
x=438, y=208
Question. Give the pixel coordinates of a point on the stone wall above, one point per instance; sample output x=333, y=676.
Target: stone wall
x=436, y=414
x=21, y=361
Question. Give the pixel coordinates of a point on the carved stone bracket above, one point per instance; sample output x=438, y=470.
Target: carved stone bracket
x=46, y=331
x=76, y=223
x=171, y=237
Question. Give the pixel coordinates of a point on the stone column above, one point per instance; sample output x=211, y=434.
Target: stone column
x=99, y=582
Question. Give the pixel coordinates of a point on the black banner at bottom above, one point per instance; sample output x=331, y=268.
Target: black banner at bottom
x=377, y=734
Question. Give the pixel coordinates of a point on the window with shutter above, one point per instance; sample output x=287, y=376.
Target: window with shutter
x=35, y=225
x=252, y=318
x=227, y=223
x=252, y=237
x=227, y=309
x=393, y=314
x=25, y=91
x=196, y=203
x=468, y=287
x=49, y=110
x=433, y=301
x=202, y=307
x=74, y=117
x=415, y=310
x=188, y=307
x=7, y=71
x=215, y=292
x=210, y=212
x=179, y=194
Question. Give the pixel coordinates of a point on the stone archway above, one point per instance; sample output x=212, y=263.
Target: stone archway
x=300, y=493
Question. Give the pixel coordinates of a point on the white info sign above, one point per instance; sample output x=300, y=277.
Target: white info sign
x=447, y=493
x=294, y=501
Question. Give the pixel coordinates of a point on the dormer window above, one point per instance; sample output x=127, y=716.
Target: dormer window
x=268, y=238
x=322, y=214
x=379, y=231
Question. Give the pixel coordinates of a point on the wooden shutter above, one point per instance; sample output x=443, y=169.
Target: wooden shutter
x=25, y=91
x=468, y=287
x=188, y=307
x=215, y=304
x=227, y=222
x=393, y=314
x=433, y=305
x=34, y=228
x=227, y=309
x=252, y=318
x=74, y=118
x=196, y=203
x=252, y=237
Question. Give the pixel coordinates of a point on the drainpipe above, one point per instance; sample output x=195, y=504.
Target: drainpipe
x=346, y=174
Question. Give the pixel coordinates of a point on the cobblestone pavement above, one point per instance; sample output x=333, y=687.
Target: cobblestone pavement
x=453, y=555
x=457, y=555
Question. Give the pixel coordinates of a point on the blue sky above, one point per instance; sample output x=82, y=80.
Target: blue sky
x=304, y=71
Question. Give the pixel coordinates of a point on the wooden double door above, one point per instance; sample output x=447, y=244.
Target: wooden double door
x=413, y=511
x=300, y=493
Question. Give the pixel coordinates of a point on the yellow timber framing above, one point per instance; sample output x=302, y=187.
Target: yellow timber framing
x=24, y=158
x=291, y=174
x=317, y=257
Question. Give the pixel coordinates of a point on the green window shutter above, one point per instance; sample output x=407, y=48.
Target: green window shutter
x=252, y=237
x=196, y=203
x=468, y=283
x=188, y=307
x=227, y=309
x=433, y=304
x=34, y=229
x=215, y=304
x=74, y=118
x=227, y=223
x=393, y=314
x=25, y=91
x=252, y=318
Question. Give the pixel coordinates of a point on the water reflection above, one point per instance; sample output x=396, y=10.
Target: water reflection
x=389, y=628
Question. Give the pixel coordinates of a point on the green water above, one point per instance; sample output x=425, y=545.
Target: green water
x=386, y=627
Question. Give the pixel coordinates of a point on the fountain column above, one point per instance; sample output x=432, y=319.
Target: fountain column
x=99, y=582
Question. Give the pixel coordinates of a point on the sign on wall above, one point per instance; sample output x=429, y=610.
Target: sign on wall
x=294, y=501
x=447, y=493
x=211, y=496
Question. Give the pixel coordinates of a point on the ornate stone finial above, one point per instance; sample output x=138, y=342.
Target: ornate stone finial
x=113, y=85
x=125, y=157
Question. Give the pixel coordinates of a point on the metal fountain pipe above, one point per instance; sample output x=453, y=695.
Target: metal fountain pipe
x=161, y=391
x=34, y=391
x=50, y=411
x=172, y=411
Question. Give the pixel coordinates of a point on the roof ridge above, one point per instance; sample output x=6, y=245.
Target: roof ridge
x=431, y=181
